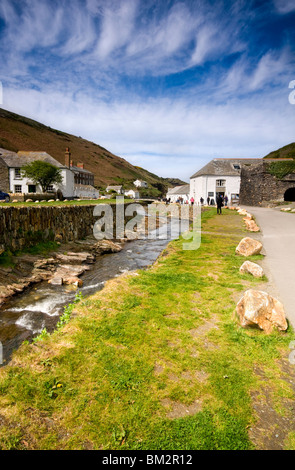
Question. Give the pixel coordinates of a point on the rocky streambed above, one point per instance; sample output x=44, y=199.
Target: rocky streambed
x=35, y=291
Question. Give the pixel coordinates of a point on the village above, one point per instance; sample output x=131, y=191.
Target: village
x=236, y=181
x=147, y=221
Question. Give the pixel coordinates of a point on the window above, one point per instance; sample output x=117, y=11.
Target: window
x=50, y=188
x=18, y=188
x=236, y=166
x=220, y=183
x=31, y=188
x=17, y=174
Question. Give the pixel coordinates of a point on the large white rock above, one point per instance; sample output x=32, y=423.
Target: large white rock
x=248, y=247
x=251, y=268
x=257, y=308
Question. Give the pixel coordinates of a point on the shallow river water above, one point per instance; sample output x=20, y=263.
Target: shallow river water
x=25, y=315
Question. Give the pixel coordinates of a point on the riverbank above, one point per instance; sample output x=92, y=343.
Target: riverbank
x=156, y=360
x=52, y=262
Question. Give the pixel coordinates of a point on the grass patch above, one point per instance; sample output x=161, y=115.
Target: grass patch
x=153, y=361
x=281, y=169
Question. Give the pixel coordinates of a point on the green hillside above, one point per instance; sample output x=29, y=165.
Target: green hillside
x=21, y=133
x=288, y=151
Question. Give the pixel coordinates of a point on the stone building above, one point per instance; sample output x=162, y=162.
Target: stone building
x=221, y=176
x=260, y=185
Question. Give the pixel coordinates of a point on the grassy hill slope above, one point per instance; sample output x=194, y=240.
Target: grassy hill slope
x=288, y=151
x=21, y=133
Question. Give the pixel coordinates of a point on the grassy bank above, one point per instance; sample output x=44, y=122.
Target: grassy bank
x=156, y=360
x=81, y=202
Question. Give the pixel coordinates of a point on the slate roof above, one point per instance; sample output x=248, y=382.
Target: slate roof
x=17, y=160
x=184, y=189
x=21, y=158
x=224, y=167
x=116, y=188
x=78, y=169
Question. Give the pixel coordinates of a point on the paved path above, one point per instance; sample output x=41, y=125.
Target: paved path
x=278, y=239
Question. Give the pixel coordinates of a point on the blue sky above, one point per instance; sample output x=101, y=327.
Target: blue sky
x=168, y=85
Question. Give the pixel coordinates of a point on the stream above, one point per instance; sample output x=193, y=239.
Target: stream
x=25, y=315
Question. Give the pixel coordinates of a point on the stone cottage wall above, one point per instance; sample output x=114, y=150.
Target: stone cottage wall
x=258, y=187
x=4, y=177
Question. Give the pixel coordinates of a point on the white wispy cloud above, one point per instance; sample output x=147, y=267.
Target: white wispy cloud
x=285, y=6
x=74, y=66
x=169, y=137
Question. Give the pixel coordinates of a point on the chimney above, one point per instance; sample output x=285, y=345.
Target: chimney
x=80, y=165
x=67, y=157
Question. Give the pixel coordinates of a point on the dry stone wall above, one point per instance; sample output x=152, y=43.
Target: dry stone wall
x=24, y=226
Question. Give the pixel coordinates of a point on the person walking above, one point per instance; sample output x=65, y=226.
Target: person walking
x=192, y=201
x=219, y=203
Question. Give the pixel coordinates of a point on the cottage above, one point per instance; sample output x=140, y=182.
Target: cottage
x=221, y=176
x=179, y=193
x=140, y=184
x=74, y=179
x=131, y=193
x=116, y=189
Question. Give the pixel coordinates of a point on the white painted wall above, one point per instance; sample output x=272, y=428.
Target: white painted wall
x=66, y=187
x=174, y=197
x=132, y=193
x=140, y=184
x=203, y=185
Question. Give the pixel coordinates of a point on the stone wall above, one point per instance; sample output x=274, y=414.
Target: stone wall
x=24, y=226
x=21, y=197
x=259, y=188
x=4, y=178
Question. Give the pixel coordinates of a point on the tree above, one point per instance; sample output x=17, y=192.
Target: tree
x=42, y=173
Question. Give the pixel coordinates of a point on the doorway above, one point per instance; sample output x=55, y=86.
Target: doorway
x=289, y=195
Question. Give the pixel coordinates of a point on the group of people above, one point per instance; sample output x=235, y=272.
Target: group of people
x=220, y=201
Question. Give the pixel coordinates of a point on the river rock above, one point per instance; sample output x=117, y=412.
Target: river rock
x=258, y=308
x=76, y=258
x=248, y=247
x=75, y=281
x=251, y=268
x=56, y=281
x=106, y=246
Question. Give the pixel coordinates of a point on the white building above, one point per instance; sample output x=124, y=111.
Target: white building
x=140, y=184
x=179, y=193
x=69, y=187
x=131, y=193
x=117, y=189
x=220, y=176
